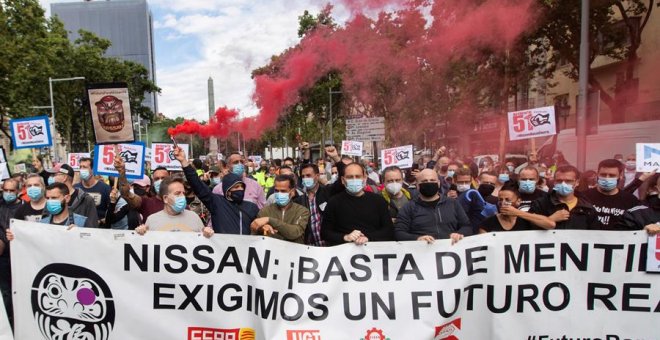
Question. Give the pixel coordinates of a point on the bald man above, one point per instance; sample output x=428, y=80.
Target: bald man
x=431, y=216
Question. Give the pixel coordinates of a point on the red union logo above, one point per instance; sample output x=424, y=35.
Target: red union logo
x=446, y=331
x=204, y=333
x=375, y=334
x=303, y=335
x=657, y=247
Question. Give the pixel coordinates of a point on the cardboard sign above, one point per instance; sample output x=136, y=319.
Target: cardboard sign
x=162, y=155
x=653, y=256
x=539, y=122
x=401, y=156
x=111, y=113
x=648, y=157
x=351, y=148
x=73, y=159
x=132, y=153
x=256, y=158
x=33, y=132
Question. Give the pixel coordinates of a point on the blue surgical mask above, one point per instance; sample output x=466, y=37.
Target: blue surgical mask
x=607, y=184
x=34, y=193
x=503, y=178
x=54, y=206
x=215, y=181
x=510, y=167
x=563, y=189
x=51, y=180
x=527, y=186
x=354, y=186
x=450, y=173
x=85, y=175
x=282, y=198
x=542, y=174
x=238, y=169
x=157, y=185
x=9, y=197
x=308, y=183
x=179, y=204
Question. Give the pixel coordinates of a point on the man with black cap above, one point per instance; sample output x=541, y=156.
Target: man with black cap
x=230, y=213
x=80, y=203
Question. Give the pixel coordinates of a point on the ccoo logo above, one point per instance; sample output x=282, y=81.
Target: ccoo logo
x=72, y=302
x=448, y=330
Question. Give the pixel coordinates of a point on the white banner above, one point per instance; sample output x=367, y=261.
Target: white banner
x=401, y=156
x=131, y=153
x=73, y=159
x=653, y=255
x=5, y=329
x=648, y=157
x=33, y=132
x=539, y=122
x=351, y=148
x=162, y=155
x=165, y=285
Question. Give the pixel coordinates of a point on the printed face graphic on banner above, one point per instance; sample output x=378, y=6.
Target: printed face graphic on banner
x=111, y=113
x=72, y=302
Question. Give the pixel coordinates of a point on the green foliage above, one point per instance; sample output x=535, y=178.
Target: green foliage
x=33, y=48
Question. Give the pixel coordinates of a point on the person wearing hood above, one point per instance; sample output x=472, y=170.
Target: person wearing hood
x=431, y=216
x=174, y=217
x=80, y=202
x=230, y=213
x=354, y=215
x=646, y=216
x=252, y=192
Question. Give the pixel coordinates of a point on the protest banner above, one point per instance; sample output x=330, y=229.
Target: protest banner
x=511, y=285
x=401, y=156
x=73, y=159
x=110, y=107
x=162, y=155
x=32, y=132
x=653, y=256
x=351, y=148
x=648, y=157
x=539, y=122
x=5, y=329
x=131, y=153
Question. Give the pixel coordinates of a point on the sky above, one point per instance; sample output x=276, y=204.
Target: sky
x=222, y=39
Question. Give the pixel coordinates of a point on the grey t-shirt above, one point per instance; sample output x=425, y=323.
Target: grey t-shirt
x=185, y=221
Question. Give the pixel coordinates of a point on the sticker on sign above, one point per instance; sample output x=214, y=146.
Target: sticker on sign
x=162, y=155
x=131, y=153
x=401, y=156
x=648, y=157
x=351, y=148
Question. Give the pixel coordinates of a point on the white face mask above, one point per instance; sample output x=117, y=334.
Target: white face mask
x=333, y=178
x=462, y=187
x=393, y=188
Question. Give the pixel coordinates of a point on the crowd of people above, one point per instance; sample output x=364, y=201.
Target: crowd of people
x=335, y=199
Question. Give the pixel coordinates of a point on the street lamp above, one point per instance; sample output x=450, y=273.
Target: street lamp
x=52, y=110
x=332, y=136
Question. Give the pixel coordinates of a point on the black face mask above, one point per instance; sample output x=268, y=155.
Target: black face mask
x=139, y=191
x=486, y=190
x=237, y=196
x=428, y=189
x=653, y=202
x=190, y=199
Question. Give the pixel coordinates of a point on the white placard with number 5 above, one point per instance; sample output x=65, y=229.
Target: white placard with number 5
x=162, y=155
x=131, y=153
x=401, y=156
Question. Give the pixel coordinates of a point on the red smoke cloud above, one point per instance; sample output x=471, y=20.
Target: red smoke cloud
x=400, y=50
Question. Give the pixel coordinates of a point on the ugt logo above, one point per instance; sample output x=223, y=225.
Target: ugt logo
x=448, y=330
x=36, y=130
x=72, y=302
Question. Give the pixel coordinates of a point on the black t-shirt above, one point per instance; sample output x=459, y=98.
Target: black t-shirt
x=492, y=224
x=610, y=208
x=367, y=213
x=527, y=199
x=27, y=213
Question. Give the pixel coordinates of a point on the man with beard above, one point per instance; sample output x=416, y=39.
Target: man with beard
x=354, y=215
x=431, y=216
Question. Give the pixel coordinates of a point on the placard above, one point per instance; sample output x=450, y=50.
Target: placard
x=4, y=171
x=162, y=155
x=111, y=113
x=132, y=153
x=33, y=132
x=366, y=129
x=648, y=157
x=147, y=154
x=539, y=122
x=256, y=158
x=19, y=168
x=401, y=156
x=526, y=285
x=351, y=148
x=3, y=156
x=73, y=159
x=653, y=256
